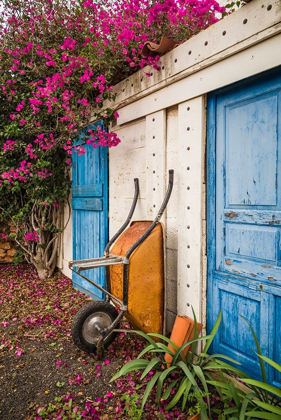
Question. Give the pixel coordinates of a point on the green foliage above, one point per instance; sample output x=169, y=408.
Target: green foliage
x=262, y=402
x=18, y=257
x=132, y=406
x=192, y=372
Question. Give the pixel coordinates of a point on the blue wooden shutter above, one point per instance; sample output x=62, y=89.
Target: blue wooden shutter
x=90, y=214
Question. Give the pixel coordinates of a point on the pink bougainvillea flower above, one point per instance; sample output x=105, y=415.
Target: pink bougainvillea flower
x=19, y=352
x=107, y=362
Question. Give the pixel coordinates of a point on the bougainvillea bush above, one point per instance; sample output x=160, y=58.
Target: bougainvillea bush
x=59, y=61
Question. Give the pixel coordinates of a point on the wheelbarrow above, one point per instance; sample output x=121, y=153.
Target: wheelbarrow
x=134, y=276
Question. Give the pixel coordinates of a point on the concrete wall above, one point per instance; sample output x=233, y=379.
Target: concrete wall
x=162, y=125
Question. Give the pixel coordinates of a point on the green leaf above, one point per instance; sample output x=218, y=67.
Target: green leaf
x=185, y=394
x=151, y=365
x=262, y=385
x=146, y=350
x=178, y=394
x=130, y=367
x=269, y=407
x=221, y=356
x=202, y=379
x=258, y=350
x=194, y=335
x=262, y=415
x=183, y=366
x=231, y=410
x=218, y=384
x=200, y=375
x=245, y=404
x=162, y=337
x=169, y=389
x=270, y=362
x=213, y=333
x=178, y=352
x=218, y=364
x=149, y=387
x=165, y=348
x=235, y=395
x=162, y=379
x=60, y=384
x=146, y=337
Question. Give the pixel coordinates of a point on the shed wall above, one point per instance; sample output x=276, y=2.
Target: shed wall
x=164, y=115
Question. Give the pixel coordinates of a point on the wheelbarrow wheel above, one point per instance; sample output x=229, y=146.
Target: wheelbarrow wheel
x=87, y=323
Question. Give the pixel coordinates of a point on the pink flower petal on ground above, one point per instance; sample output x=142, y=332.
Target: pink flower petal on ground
x=107, y=362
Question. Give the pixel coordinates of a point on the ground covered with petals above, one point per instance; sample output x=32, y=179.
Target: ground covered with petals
x=42, y=374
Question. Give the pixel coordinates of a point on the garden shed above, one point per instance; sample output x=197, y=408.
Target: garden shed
x=213, y=114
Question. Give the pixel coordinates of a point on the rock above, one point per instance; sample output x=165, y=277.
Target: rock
x=5, y=245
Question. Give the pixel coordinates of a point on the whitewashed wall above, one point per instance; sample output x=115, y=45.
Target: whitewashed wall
x=162, y=125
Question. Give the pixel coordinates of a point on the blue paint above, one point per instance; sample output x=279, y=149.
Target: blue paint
x=90, y=214
x=244, y=219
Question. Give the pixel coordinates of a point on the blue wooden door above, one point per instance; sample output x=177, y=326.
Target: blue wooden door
x=90, y=214
x=244, y=219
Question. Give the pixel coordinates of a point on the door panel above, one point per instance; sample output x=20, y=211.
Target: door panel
x=90, y=214
x=244, y=219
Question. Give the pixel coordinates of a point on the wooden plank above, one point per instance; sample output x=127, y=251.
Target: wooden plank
x=87, y=204
x=87, y=190
x=190, y=213
x=247, y=63
x=155, y=161
x=269, y=218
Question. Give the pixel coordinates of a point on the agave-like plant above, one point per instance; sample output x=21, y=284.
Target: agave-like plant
x=192, y=372
x=262, y=402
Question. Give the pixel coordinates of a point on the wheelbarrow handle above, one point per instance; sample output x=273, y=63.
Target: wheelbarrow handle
x=158, y=217
x=127, y=221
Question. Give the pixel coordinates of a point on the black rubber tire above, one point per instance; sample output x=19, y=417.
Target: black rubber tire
x=81, y=317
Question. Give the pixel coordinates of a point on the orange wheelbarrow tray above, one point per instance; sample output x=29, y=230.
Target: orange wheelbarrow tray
x=134, y=275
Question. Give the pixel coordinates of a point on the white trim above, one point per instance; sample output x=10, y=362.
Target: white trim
x=191, y=126
x=250, y=62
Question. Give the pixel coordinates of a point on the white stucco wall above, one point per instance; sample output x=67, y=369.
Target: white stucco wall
x=162, y=125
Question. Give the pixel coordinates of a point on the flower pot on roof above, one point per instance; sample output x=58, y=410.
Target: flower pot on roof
x=150, y=49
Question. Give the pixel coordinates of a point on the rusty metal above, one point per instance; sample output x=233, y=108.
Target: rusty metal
x=134, y=271
x=146, y=277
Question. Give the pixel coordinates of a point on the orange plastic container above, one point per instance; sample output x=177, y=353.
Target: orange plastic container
x=183, y=331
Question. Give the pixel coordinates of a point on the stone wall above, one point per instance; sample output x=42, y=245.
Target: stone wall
x=7, y=248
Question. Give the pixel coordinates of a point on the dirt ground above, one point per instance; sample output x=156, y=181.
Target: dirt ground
x=42, y=373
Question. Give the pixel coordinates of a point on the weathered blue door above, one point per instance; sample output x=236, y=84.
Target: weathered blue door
x=244, y=219
x=90, y=214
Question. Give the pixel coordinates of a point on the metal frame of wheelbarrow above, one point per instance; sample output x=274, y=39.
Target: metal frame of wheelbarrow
x=110, y=259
